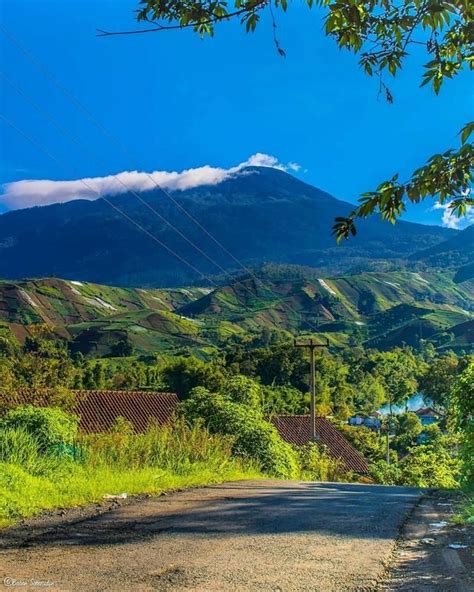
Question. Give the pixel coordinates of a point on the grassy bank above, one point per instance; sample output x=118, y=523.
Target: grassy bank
x=33, y=480
x=465, y=510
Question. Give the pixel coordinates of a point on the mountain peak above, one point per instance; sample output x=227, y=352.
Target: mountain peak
x=260, y=214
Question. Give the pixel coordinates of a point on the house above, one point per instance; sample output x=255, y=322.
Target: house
x=428, y=415
x=98, y=410
x=371, y=421
x=296, y=430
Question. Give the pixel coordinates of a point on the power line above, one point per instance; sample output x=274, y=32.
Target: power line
x=49, y=75
x=50, y=118
x=112, y=205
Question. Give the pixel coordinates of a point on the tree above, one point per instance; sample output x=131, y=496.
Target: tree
x=397, y=370
x=244, y=390
x=122, y=348
x=370, y=393
x=282, y=364
x=408, y=428
x=9, y=345
x=183, y=374
x=438, y=380
x=381, y=32
x=284, y=399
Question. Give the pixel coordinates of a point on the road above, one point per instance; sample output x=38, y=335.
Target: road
x=253, y=535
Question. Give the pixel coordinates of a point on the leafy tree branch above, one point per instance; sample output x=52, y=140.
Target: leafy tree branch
x=381, y=33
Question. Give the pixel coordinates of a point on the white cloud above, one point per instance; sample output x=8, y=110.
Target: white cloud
x=41, y=192
x=450, y=220
x=294, y=166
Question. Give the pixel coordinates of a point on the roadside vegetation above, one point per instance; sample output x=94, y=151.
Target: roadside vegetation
x=45, y=463
x=223, y=432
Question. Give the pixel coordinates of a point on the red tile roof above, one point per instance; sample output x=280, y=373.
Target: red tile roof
x=98, y=410
x=295, y=429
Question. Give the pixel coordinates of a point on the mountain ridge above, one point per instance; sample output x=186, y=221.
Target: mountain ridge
x=259, y=215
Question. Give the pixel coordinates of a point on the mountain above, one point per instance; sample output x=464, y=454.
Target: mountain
x=378, y=310
x=259, y=215
x=456, y=252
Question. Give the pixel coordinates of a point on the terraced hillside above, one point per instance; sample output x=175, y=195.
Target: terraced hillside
x=381, y=310
x=96, y=316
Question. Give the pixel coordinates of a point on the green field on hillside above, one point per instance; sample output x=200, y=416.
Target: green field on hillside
x=380, y=310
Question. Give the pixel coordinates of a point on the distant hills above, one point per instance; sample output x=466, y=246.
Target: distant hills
x=260, y=215
x=456, y=252
x=378, y=310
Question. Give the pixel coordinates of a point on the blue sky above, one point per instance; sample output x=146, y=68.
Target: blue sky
x=176, y=101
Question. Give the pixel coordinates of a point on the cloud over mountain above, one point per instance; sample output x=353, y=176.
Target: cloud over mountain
x=41, y=192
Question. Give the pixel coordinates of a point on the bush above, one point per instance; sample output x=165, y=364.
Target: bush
x=368, y=442
x=463, y=403
x=423, y=466
x=427, y=467
x=50, y=426
x=163, y=458
x=387, y=474
x=317, y=465
x=254, y=437
x=244, y=390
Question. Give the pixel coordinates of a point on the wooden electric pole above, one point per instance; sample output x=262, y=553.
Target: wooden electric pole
x=312, y=345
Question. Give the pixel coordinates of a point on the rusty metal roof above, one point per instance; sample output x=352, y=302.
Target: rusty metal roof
x=98, y=410
x=295, y=429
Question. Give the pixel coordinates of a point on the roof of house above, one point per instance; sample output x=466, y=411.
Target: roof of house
x=98, y=410
x=428, y=412
x=295, y=429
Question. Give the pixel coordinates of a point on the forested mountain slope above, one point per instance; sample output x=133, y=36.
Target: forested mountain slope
x=259, y=215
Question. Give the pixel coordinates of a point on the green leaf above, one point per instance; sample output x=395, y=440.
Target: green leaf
x=466, y=131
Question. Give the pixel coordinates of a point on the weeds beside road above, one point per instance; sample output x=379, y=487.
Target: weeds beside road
x=159, y=460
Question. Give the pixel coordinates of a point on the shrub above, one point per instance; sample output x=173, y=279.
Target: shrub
x=255, y=438
x=368, y=442
x=423, y=466
x=163, y=458
x=388, y=474
x=463, y=403
x=50, y=426
x=427, y=467
x=317, y=465
x=20, y=448
x=244, y=390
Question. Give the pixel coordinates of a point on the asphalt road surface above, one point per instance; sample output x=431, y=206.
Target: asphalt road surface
x=253, y=535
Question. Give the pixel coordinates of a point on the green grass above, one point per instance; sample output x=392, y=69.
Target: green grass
x=159, y=460
x=465, y=510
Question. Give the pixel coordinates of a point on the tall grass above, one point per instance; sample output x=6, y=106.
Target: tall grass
x=163, y=458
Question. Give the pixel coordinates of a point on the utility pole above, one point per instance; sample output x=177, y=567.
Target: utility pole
x=311, y=345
